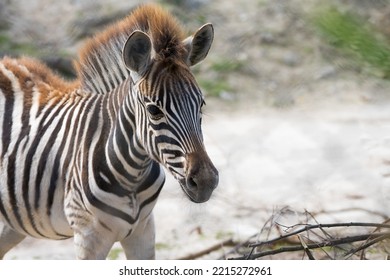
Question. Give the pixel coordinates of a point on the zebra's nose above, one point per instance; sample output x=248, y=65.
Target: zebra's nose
x=202, y=177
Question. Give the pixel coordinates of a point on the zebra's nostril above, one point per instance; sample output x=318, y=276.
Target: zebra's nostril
x=191, y=183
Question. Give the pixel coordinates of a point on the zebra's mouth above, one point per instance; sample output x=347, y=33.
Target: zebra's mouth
x=193, y=196
x=190, y=196
x=183, y=184
x=200, y=176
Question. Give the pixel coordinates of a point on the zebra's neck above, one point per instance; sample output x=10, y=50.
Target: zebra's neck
x=126, y=161
x=101, y=69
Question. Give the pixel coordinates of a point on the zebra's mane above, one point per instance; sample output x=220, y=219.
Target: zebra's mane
x=100, y=67
x=32, y=69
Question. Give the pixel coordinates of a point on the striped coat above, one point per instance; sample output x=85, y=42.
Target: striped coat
x=84, y=158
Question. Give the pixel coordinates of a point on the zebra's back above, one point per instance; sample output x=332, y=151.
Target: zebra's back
x=34, y=106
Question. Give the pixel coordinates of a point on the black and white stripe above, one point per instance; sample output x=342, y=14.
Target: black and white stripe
x=84, y=159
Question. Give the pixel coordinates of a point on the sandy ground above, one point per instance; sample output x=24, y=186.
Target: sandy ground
x=317, y=158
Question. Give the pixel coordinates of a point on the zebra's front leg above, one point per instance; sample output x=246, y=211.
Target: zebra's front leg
x=92, y=238
x=93, y=245
x=8, y=239
x=140, y=244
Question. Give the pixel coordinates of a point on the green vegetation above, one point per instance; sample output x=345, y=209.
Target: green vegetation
x=221, y=69
x=162, y=246
x=215, y=87
x=114, y=253
x=8, y=46
x=3, y=39
x=222, y=235
x=227, y=66
x=354, y=36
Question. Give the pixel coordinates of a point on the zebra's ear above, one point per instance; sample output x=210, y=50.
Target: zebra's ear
x=137, y=51
x=199, y=44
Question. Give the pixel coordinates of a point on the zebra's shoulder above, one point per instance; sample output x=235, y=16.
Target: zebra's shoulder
x=30, y=69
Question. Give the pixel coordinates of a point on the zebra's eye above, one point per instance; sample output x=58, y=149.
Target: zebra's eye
x=154, y=112
x=201, y=107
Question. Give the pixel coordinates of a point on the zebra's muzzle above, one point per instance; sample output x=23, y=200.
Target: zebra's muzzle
x=201, y=177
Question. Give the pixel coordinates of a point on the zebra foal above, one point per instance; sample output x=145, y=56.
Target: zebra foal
x=84, y=159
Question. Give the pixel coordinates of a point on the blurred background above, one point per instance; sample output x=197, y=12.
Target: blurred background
x=297, y=117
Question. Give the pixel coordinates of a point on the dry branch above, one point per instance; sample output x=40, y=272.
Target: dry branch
x=315, y=240
x=308, y=227
x=329, y=243
x=306, y=248
x=209, y=250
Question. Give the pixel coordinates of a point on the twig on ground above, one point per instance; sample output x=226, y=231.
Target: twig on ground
x=306, y=248
x=209, y=250
x=308, y=227
x=315, y=245
x=315, y=240
x=369, y=242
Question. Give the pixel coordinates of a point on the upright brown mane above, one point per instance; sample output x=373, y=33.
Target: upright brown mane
x=100, y=66
x=30, y=69
x=43, y=73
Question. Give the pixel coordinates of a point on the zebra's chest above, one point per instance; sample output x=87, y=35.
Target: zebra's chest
x=94, y=204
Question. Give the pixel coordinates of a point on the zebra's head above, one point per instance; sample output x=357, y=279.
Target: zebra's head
x=169, y=106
